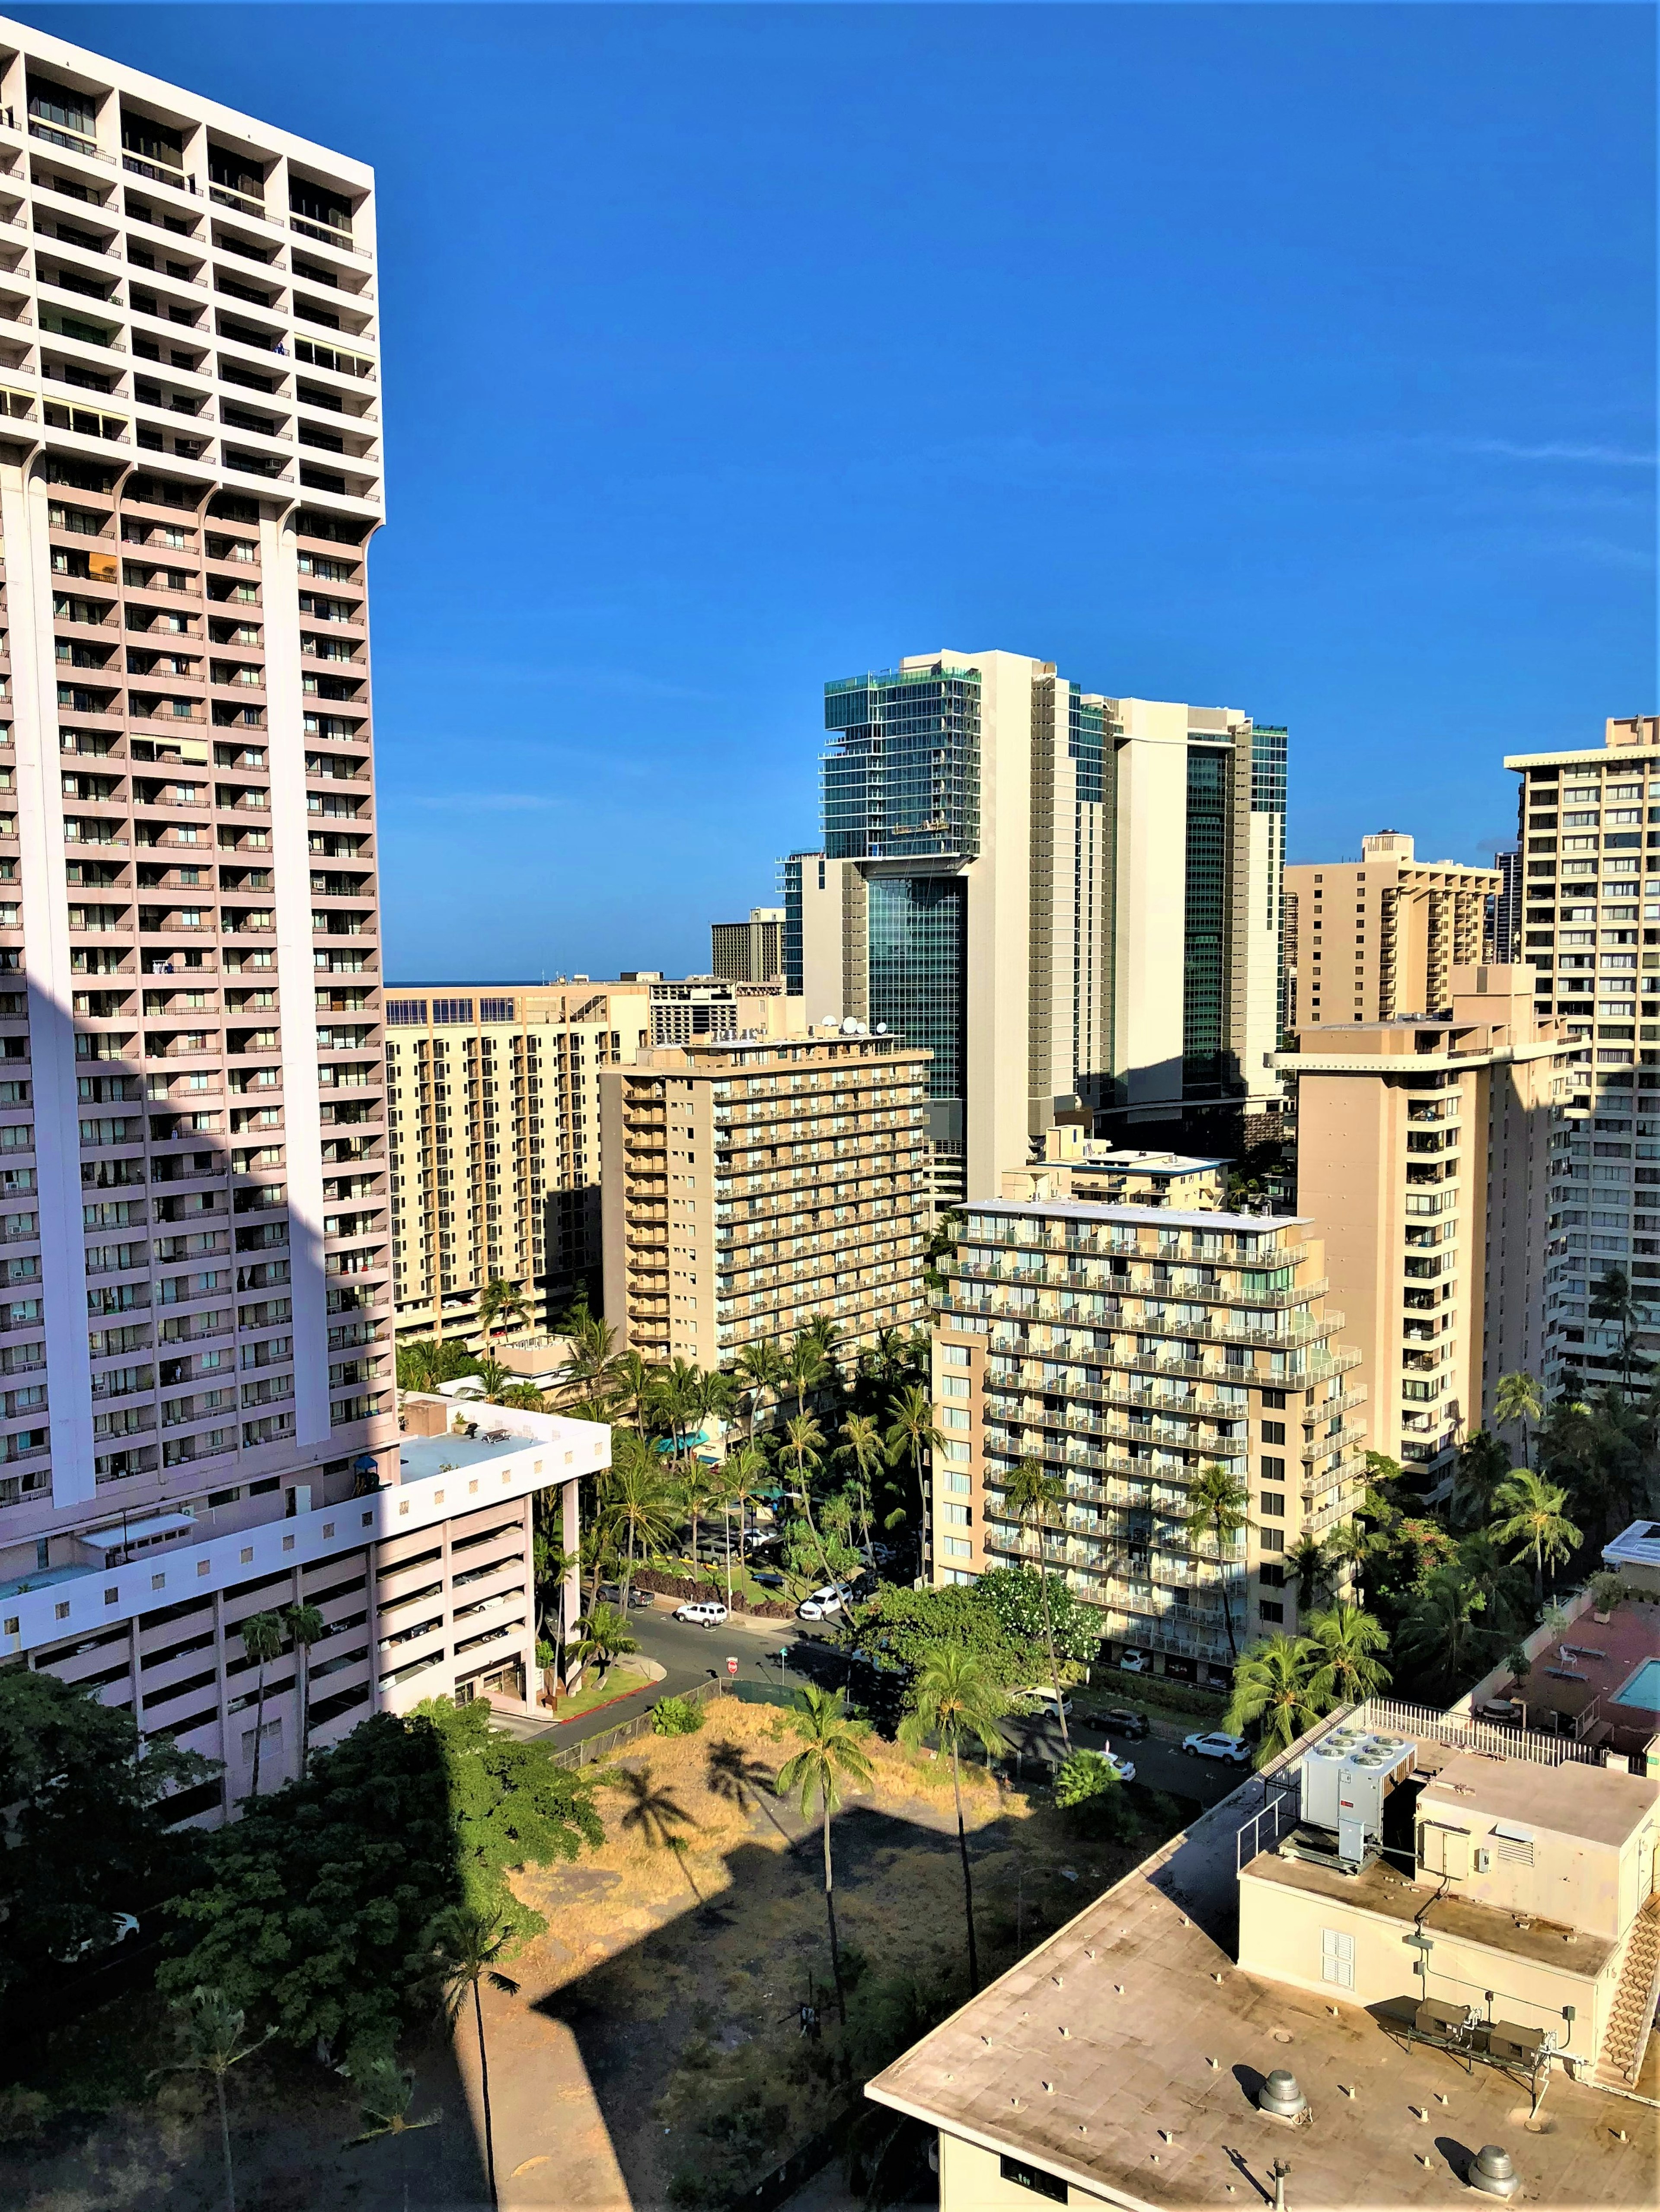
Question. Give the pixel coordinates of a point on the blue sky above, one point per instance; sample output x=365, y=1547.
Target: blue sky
x=1299, y=359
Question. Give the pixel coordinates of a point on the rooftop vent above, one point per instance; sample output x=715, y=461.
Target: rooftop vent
x=1491, y=2173
x=1281, y=2095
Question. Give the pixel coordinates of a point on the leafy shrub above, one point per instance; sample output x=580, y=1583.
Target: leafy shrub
x=1083, y=1775
x=676, y=1717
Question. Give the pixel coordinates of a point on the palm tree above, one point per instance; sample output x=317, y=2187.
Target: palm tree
x=955, y=1697
x=637, y=1497
x=306, y=1626
x=1531, y=1518
x=1611, y=1303
x=911, y=1432
x=1483, y=1464
x=676, y=1400
x=210, y=2033
x=523, y=1397
x=804, y=1441
x=1271, y=1685
x=385, y=2091
x=591, y=1366
x=496, y=1379
x=1217, y=1506
x=262, y=1639
x=813, y=1778
x=1436, y=1637
x=1350, y=1544
x=632, y=1382
x=500, y=1302
x=862, y=1439
x=552, y=1566
x=760, y=1369
x=1032, y=1494
x=466, y=1946
x=743, y=1471
x=1308, y=1562
x=1520, y=1397
x=603, y=1636
x=809, y=1361
x=696, y=1493
x=1344, y=1641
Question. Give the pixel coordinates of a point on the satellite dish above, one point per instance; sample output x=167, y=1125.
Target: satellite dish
x=849, y=1027
x=881, y=1029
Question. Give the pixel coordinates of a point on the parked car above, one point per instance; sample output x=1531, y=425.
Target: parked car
x=758, y=1540
x=702, y=1612
x=821, y=1604
x=1046, y=1701
x=1122, y=1720
x=1135, y=1663
x=1215, y=1744
x=1121, y=1767
x=766, y=1577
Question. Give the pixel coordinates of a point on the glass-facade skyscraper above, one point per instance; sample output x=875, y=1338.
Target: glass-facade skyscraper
x=1074, y=899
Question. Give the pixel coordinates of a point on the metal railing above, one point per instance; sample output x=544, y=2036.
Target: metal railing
x=1491, y=1738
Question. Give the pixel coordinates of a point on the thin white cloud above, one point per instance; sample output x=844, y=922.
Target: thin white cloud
x=1610, y=457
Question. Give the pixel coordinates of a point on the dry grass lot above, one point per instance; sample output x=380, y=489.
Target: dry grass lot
x=653, y=2056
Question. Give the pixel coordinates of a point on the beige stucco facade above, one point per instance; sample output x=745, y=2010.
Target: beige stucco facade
x=1372, y=938
x=1424, y=1155
x=751, y=1185
x=493, y=1129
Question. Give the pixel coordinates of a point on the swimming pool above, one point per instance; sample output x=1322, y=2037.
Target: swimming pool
x=1642, y=1688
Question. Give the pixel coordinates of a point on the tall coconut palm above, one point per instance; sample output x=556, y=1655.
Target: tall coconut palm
x=676, y=1400
x=591, y=1369
x=262, y=1639
x=759, y=1369
x=306, y=1626
x=1271, y=1686
x=912, y=1434
x=744, y=1472
x=1529, y=1516
x=1034, y=1496
x=1345, y=1642
x=1612, y=1303
x=465, y=1948
x=809, y=1362
x=862, y=1441
x=631, y=1386
x=501, y=1305
x=1442, y=1639
x=813, y=1778
x=1519, y=1397
x=1483, y=1463
x=698, y=1492
x=1308, y=1562
x=211, y=2042
x=956, y=1699
x=1349, y=1546
x=638, y=1500
x=1216, y=1510
x=803, y=1442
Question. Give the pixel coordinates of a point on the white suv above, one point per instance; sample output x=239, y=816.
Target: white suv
x=703, y=1612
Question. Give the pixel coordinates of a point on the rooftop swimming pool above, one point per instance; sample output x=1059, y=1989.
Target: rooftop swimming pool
x=1641, y=1688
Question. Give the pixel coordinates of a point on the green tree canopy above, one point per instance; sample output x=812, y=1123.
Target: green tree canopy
x=313, y=1905
x=85, y=1818
x=999, y=1619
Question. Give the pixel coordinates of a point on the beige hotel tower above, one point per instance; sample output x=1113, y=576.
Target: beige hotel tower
x=197, y=1418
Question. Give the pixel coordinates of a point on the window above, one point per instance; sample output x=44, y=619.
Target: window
x=1033, y=2178
x=1269, y=1608
x=1273, y=1501
x=1337, y=1958
x=1273, y=1432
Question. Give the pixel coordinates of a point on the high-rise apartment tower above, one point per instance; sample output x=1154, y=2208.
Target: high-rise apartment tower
x=1068, y=898
x=1369, y=940
x=1590, y=833
x=197, y=1420
x=493, y=1130
x=1424, y=1152
x=749, y=951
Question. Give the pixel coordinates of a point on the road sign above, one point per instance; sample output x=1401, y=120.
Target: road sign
x=731, y=1666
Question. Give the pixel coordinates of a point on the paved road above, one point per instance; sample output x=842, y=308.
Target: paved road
x=689, y=1656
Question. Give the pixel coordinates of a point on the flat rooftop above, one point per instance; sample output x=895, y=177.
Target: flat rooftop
x=420, y=1457
x=1123, y=2055
x=1135, y=1217
x=1600, y=1804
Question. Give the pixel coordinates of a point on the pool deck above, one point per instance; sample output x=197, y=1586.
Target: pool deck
x=1596, y=1659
